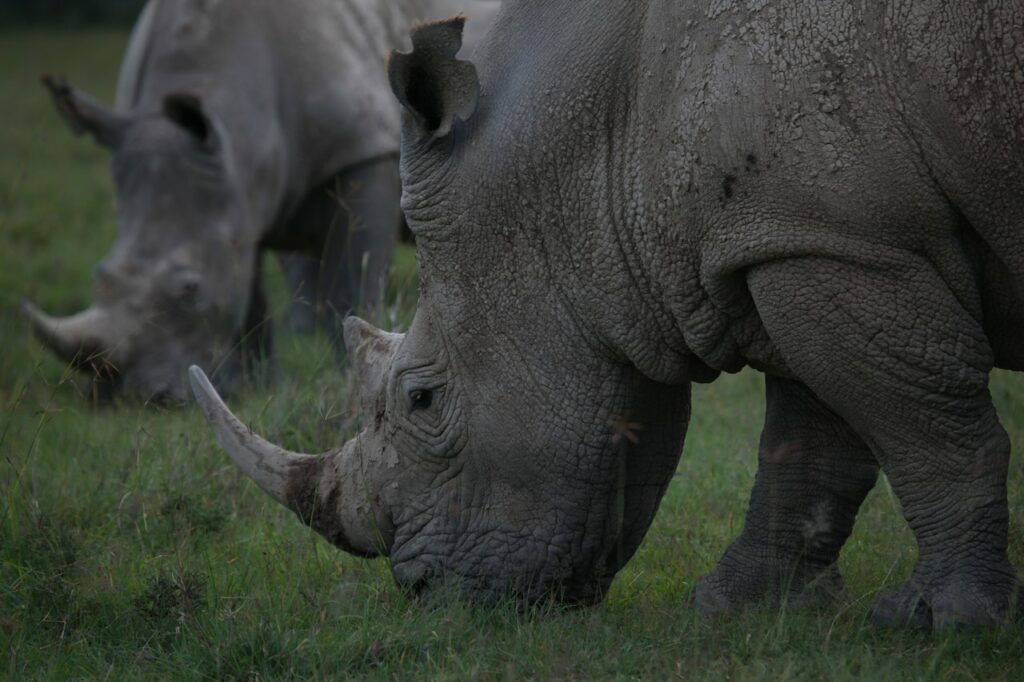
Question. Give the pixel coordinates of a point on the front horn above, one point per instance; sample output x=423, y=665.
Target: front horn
x=267, y=464
x=327, y=492
x=79, y=339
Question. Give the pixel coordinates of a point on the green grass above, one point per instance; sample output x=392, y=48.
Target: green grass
x=131, y=548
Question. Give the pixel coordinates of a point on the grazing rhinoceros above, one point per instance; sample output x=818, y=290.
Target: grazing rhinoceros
x=645, y=194
x=239, y=125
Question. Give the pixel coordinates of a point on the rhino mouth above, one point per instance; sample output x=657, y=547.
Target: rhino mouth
x=430, y=584
x=106, y=387
x=103, y=389
x=489, y=583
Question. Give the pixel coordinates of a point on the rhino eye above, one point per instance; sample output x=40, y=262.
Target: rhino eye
x=189, y=290
x=185, y=290
x=421, y=398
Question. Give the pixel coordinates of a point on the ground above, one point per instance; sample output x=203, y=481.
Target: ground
x=130, y=547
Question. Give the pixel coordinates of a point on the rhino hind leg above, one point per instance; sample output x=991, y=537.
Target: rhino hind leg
x=892, y=351
x=813, y=473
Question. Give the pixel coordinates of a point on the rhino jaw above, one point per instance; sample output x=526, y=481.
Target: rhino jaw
x=328, y=492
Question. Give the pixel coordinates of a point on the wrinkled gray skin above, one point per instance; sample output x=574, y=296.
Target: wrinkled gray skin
x=240, y=125
x=651, y=194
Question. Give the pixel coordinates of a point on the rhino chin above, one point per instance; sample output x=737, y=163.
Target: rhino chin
x=328, y=492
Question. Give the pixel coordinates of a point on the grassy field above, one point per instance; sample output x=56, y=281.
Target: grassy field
x=131, y=548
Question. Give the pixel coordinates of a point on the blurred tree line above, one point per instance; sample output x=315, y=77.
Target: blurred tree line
x=68, y=12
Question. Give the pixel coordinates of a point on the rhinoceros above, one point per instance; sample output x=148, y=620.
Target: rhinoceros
x=634, y=196
x=239, y=126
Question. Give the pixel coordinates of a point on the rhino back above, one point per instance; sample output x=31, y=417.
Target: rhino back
x=842, y=130
x=706, y=138
x=307, y=77
x=963, y=92
x=300, y=87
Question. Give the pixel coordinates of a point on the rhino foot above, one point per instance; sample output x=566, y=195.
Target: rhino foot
x=958, y=603
x=724, y=590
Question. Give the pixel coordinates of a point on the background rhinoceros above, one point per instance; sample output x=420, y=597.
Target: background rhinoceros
x=239, y=126
x=640, y=195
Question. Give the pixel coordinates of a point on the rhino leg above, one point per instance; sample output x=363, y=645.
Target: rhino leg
x=813, y=473
x=360, y=243
x=301, y=273
x=894, y=352
x=256, y=341
x=252, y=349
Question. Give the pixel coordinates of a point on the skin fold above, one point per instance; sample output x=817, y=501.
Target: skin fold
x=656, y=192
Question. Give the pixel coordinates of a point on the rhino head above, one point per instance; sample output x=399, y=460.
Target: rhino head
x=507, y=448
x=173, y=290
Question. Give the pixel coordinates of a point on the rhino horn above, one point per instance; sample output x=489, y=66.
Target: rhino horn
x=372, y=350
x=81, y=339
x=268, y=465
x=327, y=492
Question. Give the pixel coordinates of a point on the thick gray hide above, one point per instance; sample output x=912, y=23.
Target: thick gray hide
x=240, y=125
x=650, y=193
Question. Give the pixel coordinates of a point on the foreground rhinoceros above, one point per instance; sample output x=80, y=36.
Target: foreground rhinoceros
x=649, y=193
x=240, y=125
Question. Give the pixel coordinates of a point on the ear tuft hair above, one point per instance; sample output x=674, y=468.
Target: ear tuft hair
x=430, y=83
x=441, y=38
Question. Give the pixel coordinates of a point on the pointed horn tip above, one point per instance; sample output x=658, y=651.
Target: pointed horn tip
x=268, y=465
x=199, y=379
x=353, y=321
x=202, y=389
x=354, y=329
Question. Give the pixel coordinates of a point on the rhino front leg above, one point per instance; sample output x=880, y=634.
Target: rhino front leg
x=250, y=354
x=894, y=352
x=813, y=473
x=360, y=242
x=256, y=342
x=301, y=273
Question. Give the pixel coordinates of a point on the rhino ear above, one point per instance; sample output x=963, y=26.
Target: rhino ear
x=430, y=83
x=83, y=114
x=187, y=112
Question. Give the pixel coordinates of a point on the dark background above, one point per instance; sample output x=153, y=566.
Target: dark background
x=68, y=12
